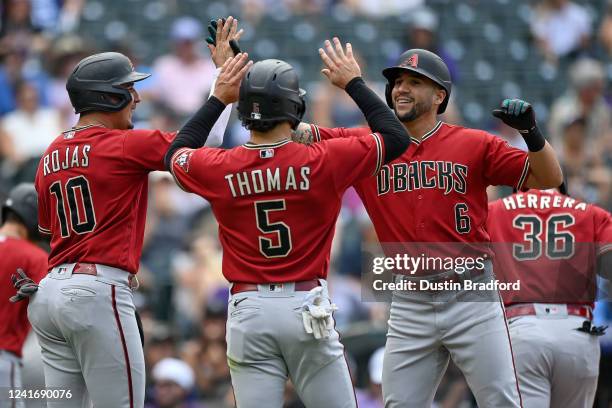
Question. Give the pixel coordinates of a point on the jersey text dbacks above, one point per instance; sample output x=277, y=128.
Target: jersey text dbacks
x=550, y=242
x=92, y=187
x=436, y=191
x=277, y=204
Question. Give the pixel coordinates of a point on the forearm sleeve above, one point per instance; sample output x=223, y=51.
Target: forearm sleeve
x=380, y=118
x=215, y=138
x=195, y=132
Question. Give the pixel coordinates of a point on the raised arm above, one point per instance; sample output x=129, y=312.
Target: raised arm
x=545, y=168
x=342, y=70
x=195, y=132
x=223, y=44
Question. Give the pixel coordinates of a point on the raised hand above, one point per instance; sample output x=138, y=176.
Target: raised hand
x=223, y=40
x=517, y=114
x=227, y=87
x=341, y=66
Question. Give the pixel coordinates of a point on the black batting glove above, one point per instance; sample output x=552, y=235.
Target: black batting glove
x=520, y=115
x=212, y=40
x=25, y=286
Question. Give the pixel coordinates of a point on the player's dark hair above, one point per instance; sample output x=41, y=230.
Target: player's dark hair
x=262, y=126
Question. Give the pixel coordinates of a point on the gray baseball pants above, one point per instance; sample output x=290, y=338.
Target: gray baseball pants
x=557, y=365
x=10, y=379
x=428, y=328
x=89, y=338
x=267, y=343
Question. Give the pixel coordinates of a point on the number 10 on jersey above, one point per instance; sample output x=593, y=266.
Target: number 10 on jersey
x=74, y=203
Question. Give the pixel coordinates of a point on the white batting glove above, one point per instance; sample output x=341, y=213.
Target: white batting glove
x=317, y=313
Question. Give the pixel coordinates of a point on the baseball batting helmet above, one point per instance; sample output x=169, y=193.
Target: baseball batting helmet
x=424, y=63
x=270, y=92
x=99, y=76
x=23, y=202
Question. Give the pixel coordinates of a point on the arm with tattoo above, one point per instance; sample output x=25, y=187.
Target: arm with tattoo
x=303, y=134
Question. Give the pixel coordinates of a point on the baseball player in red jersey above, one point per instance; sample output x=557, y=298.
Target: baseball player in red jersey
x=92, y=186
x=17, y=251
x=277, y=203
x=439, y=188
x=551, y=245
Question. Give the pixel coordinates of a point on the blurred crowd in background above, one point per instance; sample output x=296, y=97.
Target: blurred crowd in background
x=557, y=54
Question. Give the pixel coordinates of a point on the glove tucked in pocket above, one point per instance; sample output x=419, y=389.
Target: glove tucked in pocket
x=317, y=313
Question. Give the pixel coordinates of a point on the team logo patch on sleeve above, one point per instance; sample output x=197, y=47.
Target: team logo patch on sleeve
x=183, y=160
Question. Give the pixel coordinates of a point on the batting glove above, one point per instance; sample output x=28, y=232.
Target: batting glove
x=317, y=313
x=25, y=286
x=212, y=40
x=520, y=115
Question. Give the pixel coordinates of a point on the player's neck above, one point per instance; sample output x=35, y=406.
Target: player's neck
x=279, y=133
x=11, y=229
x=421, y=126
x=96, y=119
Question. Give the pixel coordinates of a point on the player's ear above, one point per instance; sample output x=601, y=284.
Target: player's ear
x=440, y=95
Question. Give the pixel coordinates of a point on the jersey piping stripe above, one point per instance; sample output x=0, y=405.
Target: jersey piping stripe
x=428, y=134
x=125, y=350
x=44, y=230
x=76, y=129
x=254, y=146
x=12, y=381
x=317, y=134
x=519, y=185
x=379, y=153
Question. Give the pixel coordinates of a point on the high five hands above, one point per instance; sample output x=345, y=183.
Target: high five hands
x=341, y=66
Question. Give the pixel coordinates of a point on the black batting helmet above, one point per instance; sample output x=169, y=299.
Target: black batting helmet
x=270, y=92
x=99, y=76
x=422, y=62
x=23, y=202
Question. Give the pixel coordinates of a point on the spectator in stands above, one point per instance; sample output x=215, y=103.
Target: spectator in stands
x=584, y=98
x=605, y=30
x=26, y=132
x=184, y=77
x=174, y=381
x=561, y=29
x=582, y=165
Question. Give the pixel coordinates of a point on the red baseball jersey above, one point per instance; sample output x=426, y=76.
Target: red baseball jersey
x=17, y=253
x=277, y=204
x=436, y=191
x=92, y=187
x=551, y=244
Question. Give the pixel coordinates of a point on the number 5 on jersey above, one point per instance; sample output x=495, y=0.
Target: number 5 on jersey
x=282, y=230
x=80, y=208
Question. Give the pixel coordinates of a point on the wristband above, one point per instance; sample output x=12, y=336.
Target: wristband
x=534, y=139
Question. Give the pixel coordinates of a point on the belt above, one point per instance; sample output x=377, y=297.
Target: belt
x=238, y=287
x=90, y=269
x=529, y=310
x=85, y=269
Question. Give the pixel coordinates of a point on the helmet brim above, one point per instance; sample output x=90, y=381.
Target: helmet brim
x=132, y=77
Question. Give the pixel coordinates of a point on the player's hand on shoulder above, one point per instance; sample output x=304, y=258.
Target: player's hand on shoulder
x=341, y=66
x=517, y=114
x=223, y=40
x=24, y=285
x=227, y=87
